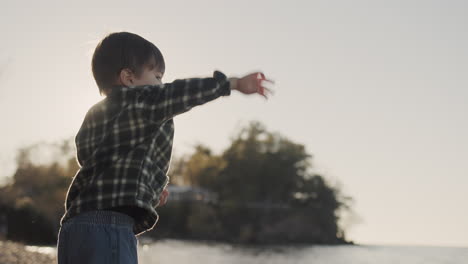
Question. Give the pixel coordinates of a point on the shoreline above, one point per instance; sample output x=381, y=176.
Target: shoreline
x=17, y=253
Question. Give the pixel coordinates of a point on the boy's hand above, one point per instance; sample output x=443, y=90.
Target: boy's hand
x=163, y=197
x=251, y=83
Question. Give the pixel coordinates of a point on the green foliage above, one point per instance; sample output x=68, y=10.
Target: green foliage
x=28, y=225
x=172, y=221
x=34, y=201
x=262, y=167
x=263, y=176
x=203, y=222
x=264, y=184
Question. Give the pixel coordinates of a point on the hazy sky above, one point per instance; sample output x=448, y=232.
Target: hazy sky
x=376, y=90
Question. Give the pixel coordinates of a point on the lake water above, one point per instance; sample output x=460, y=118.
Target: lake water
x=181, y=252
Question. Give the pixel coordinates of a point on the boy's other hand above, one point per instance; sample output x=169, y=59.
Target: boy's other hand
x=163, y=197
x=252, y=83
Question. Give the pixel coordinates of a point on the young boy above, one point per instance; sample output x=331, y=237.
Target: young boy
x=124, y=147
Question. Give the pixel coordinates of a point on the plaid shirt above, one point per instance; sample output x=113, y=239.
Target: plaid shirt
x=125, y=142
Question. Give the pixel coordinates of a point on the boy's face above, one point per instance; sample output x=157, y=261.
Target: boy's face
x=148, y=77
x=151, y=75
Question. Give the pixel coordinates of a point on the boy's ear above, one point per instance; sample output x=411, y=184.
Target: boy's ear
x=126, y=77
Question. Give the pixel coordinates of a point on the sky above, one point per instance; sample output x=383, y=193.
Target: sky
x=375, y=90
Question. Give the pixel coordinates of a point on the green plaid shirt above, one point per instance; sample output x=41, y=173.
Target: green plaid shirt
x=125, y=142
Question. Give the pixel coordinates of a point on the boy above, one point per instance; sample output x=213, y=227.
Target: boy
x=124, y=147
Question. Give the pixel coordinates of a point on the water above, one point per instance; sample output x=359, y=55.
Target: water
x=181, y=252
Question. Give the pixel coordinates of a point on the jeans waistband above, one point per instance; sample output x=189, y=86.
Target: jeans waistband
x=103, y=217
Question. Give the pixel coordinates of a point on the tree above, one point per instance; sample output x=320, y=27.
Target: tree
x=263, y=175
x=266, y=193
x=38, y=189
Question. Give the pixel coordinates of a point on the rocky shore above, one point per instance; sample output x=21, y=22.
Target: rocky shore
x=15, y=253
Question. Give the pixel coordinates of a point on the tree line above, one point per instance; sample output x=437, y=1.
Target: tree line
x=265, y=188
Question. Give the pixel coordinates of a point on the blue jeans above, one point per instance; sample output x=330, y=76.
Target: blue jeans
x=97, y=237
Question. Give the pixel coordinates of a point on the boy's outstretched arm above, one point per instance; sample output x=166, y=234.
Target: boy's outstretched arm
x=163, y=102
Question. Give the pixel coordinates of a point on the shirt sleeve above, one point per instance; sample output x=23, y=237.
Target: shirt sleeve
x=162, y=102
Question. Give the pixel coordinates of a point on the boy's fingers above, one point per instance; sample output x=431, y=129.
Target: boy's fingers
x=264, y=94
x=264, y=89
x=268, y=80
x=260, y=76
x=263, y=78
x=261, y=89
x=269, y=90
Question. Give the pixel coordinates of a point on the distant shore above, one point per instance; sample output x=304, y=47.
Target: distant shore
x=16, y=253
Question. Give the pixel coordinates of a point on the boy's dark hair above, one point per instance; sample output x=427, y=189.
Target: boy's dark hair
x=122, y=50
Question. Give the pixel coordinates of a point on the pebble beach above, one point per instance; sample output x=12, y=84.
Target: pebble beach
x=16, y=253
